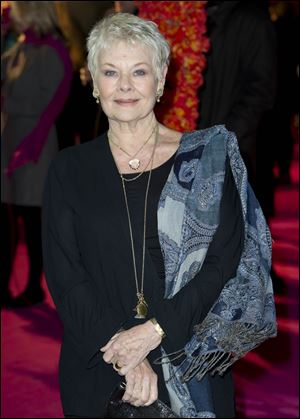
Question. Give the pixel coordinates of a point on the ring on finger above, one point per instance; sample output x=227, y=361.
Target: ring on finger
x=116, y=366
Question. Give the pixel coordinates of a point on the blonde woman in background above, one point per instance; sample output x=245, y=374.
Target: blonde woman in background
x=36, y=75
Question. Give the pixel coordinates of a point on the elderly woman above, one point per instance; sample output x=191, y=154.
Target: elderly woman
x=151, y=245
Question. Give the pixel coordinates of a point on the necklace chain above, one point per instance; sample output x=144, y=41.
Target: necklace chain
x=141, y=307
x=133, y=163
x=147, y=165
x=140, y=174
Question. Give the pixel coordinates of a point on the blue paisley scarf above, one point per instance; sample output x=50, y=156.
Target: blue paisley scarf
x=188, y=215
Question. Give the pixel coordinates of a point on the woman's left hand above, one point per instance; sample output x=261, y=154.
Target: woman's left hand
x=129, y=348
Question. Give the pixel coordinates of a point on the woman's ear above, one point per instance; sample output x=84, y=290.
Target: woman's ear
x=165, y=70
x=161, y=83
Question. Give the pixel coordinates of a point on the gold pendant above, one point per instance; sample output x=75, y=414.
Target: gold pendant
x=134, y=164
x=141, y=308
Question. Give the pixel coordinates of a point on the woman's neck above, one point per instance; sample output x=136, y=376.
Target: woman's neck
x=131, y=134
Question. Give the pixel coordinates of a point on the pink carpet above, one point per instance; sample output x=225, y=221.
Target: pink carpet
x=266, y=380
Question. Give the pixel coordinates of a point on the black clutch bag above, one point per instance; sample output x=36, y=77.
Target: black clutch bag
x=116, y=408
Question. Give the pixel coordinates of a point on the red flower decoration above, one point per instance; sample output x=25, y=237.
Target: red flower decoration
x=183, y=23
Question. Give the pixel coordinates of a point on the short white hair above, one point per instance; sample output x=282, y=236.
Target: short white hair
x=132, y=29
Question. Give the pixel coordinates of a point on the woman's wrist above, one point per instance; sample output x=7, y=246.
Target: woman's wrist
x=157, y=327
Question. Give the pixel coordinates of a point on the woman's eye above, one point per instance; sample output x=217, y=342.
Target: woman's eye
x=140, y=72
x=109, y=73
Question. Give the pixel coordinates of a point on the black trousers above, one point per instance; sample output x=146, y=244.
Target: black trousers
x=10, y=235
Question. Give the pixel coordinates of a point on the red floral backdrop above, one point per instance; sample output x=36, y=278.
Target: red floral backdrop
x=183, y=23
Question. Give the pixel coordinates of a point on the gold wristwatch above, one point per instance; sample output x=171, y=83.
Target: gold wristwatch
x=157, y=327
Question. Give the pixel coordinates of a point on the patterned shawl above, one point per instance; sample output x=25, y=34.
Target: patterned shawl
x=188, y=215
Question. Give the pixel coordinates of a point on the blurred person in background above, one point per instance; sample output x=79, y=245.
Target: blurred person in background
x=282, y=119
x=240, y=89
x=80, y=118
x=35, y=81
x=8, y=34
x=241, y=76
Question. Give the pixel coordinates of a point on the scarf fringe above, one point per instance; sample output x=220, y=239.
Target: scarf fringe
x=219, y=360
x=240, y=337
x=208, y=363
x=173, y=356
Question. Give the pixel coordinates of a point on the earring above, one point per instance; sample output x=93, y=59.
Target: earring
x=96, y=96
x=158, y=95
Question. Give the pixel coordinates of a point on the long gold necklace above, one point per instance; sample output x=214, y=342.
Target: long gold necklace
x=141, y=307
x=133, y=163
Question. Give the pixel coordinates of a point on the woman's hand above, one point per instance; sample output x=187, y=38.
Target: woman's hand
x=141, y=385
x=129, y=348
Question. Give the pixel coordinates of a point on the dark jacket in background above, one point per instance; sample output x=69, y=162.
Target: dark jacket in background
x=240, y=80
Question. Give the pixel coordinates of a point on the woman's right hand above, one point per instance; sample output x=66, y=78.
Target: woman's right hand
x=141, y=385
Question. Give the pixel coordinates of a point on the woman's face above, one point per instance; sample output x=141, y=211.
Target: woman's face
x=126, y=82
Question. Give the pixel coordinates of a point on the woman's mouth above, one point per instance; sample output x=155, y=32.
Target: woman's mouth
x=126, y=102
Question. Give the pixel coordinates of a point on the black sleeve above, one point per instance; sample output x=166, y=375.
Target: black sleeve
x=259, y=65
x=87, y=323
x=191, y=304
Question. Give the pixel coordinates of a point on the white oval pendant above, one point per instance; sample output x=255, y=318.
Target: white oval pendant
x=134, y=164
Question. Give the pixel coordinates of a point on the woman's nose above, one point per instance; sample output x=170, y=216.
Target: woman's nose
x=125, y=83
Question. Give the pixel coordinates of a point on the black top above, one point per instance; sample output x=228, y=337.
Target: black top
x=89, y=271
x=136, y=191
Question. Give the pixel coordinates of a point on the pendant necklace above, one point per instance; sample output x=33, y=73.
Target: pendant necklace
x=142, y=306
x=133, y=163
